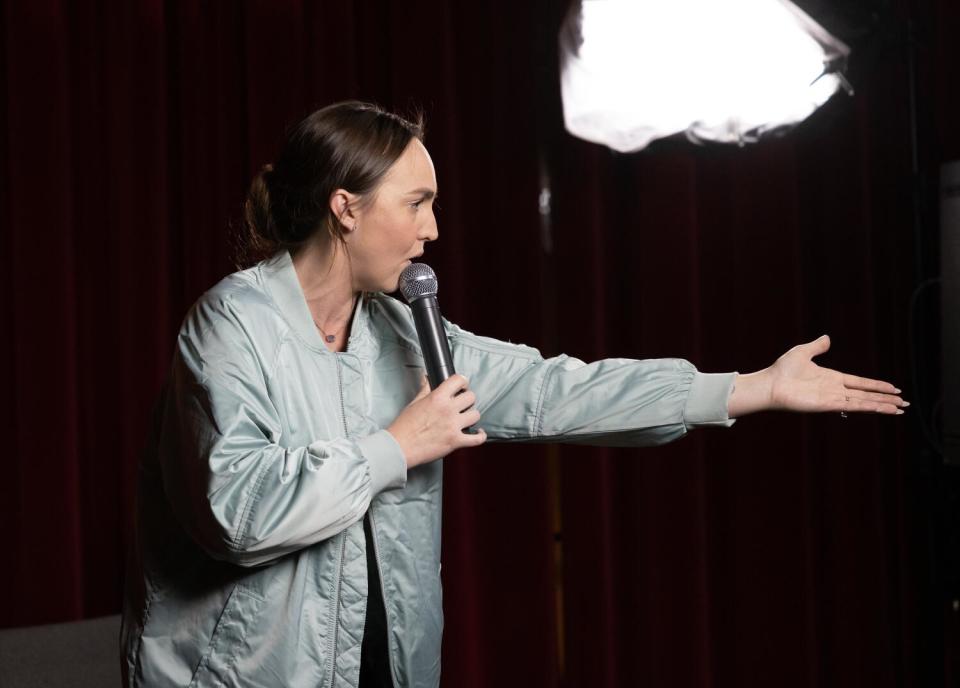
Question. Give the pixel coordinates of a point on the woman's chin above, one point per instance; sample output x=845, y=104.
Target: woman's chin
x=395, y=279
x=388, y=283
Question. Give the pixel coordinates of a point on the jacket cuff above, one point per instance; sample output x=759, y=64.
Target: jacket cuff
x=388, y=466
x=708, y=398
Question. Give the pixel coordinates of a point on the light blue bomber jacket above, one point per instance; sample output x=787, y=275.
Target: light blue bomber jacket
x=267, y=450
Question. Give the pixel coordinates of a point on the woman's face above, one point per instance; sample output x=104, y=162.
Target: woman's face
x=391, y=230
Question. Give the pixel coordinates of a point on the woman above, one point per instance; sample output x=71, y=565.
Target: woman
x=289, y=513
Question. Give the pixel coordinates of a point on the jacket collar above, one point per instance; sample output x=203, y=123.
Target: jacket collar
x=283, y=286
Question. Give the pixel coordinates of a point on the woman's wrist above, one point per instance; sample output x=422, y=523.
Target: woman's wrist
x=752, y=392
x=401, y=440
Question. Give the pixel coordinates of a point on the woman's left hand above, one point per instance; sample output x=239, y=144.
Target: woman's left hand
x=795, y=383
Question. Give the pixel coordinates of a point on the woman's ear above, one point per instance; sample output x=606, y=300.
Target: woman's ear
x=343, y=205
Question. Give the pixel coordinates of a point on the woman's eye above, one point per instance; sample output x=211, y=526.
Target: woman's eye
x=416, y=204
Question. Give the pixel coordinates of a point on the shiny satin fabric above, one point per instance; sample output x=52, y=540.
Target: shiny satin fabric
x=267, y=450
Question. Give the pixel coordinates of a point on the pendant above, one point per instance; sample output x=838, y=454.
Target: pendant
x=331, y=337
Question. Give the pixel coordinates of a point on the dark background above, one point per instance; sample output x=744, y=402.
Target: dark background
x=789, y=550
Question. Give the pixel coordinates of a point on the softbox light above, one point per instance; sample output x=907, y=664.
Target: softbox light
x=636, y=70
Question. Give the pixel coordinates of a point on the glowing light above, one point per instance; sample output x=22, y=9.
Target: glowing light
x=636, y=70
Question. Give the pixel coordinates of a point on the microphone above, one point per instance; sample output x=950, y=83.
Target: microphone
x=418, y=284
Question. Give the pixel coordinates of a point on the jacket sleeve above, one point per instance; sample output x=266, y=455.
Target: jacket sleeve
x=612, y=402
x=240, y=495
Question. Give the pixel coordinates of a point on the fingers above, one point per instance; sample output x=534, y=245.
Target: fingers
x=872, y=402
x=455, y=388
x=424, y=388
x=452, y=385
x=819, y=345
x=468, y=418
x=867, y=395
x=454, y=391
x=868, y=385
x=474, y=439
x=433, y=424
x=462, y=402
x=853, y=404
x=822, y=345
x=888, y=399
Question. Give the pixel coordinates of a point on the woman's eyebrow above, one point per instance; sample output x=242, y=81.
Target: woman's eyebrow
x=425, y=192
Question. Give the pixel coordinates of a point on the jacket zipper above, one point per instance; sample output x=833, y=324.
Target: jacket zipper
x=383, y=591
x=343, y=411
x=336, y=612
x=343, y=543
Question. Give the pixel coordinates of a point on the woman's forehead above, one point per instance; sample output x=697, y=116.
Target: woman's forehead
x=412, y=170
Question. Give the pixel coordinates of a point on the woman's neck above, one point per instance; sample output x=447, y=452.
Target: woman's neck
x=323, y=270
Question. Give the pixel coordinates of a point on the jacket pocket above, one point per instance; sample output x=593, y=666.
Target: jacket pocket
x=229, y=640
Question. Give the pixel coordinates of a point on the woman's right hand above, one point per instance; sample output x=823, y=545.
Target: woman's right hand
x=431, y=426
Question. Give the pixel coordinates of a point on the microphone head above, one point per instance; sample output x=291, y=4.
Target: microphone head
x=417, y=280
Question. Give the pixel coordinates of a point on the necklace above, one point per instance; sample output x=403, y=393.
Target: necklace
x=330, y=338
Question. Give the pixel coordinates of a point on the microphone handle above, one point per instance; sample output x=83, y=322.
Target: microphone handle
x=433, y=340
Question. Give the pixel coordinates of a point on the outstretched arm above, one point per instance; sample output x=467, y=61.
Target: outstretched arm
x=523, y=397
x=795, y=383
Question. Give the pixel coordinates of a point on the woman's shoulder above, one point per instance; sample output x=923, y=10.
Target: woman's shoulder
x=238, y=302
x=395, y=318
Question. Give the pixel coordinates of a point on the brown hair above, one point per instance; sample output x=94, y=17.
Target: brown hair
x=348, y=145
